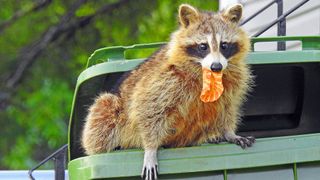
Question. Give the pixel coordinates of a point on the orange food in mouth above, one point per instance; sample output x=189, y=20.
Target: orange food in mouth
x=212, y=87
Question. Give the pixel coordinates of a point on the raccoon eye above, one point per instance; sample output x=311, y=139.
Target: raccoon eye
x=224, y=45
x=203, y=47
x=229, y=49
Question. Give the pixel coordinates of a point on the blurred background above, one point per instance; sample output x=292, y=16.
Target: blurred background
x=44, y=45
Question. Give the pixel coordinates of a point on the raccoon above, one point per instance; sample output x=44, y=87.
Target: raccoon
x=158, y=103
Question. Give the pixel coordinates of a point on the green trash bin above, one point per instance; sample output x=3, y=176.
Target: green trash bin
x=282, y=112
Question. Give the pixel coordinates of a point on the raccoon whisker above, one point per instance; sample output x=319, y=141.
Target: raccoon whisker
x=234, y=70
x=233, y=67
x=194, y=75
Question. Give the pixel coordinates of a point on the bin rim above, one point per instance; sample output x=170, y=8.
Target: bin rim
x=265, y=152
x=115, y=53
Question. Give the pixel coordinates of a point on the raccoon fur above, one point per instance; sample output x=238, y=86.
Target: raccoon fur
x=158, y=103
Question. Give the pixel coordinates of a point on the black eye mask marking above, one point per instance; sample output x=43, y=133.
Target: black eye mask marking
x=228, y=49
x=197, y=50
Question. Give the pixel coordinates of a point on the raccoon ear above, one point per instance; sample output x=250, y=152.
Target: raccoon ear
x=233, y=13
x=187, y=15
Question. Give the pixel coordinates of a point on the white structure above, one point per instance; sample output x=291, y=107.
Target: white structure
x=302, y=22
x=23, y=175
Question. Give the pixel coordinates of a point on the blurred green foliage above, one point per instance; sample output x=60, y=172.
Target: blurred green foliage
x=35, y=122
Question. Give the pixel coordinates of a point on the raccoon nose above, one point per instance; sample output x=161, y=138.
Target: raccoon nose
x=216, y=67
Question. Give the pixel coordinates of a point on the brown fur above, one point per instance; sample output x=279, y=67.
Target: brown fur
x=159, y=103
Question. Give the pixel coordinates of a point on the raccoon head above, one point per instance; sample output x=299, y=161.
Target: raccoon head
x=212, y=39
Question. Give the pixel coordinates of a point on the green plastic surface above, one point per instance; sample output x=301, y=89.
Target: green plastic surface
x=277, y=158
x=116, y=53
x=266, y=152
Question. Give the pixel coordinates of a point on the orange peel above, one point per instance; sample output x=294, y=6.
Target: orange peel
x=212, y=87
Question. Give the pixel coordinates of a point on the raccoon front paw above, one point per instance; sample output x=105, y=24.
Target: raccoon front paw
x=150, y=172
x=150, y=165
x=243, y=142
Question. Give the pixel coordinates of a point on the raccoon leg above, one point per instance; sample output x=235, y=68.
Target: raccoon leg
x=101, y=133
x=244, y=142
x=151, y=141
x=229, y=123
x=153, y=131
x=216, y=140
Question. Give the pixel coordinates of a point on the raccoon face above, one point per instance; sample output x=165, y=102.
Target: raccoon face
x=213, y=40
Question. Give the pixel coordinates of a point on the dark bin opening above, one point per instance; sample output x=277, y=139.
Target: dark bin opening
x=284, y=101
x=276, y=99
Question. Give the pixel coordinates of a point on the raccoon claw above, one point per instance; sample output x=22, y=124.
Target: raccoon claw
x=150, y=165
x=150, y=173
x=244, y=142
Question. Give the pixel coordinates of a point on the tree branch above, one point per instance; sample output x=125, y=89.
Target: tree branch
x=29, y=54
x=68, y=23
x=36, y=6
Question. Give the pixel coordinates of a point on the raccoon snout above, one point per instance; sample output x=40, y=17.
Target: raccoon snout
x=216, y=67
